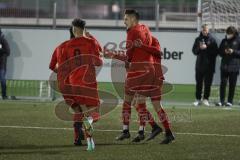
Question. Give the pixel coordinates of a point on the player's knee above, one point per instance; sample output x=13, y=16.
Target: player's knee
x=95, y=116
x=128, y=98
x=157, y=98
x=157, y=105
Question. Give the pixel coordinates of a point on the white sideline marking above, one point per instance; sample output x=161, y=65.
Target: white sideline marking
x=100, y=130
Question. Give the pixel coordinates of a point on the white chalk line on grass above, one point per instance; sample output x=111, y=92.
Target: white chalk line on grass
x=108, y=130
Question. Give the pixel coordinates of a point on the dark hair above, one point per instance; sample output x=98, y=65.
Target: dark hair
x=232, y=30
x=77, y=22
x=71, y=33
x=132, y=12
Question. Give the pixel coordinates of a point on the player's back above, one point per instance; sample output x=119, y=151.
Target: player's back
x=83, y=52
x=155, y=43
x=58, y=56
x=59, y=61
x=83, y=44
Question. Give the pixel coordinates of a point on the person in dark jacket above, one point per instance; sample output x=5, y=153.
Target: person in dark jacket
x=206, y=49
x=4, y=53
x=229, y=50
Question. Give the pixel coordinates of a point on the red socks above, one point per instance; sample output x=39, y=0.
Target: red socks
x=144, y=115
x=126, y=113
x=163, y=118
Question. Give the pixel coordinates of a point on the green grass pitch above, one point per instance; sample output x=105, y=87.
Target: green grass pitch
x=31, y=130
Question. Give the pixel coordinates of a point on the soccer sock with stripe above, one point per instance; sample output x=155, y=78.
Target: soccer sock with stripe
x=163, y=119
x=145, y=115
x=126, y=115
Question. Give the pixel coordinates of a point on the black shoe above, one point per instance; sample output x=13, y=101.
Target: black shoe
x=169, y=138
x=4, y=97
x=155, y=131
x=81, y=134
x=13, y=98
x=124, y=135
x=139, y=137
x=78, y=126
x=78, y=142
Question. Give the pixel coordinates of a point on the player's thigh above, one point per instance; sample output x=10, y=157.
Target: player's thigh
x=88, y=109
x=140, y=99
x=157, y=105
x=128, y=98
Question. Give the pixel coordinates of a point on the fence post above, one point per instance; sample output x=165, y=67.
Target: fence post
x=199, y=18
x=37, y=12
x=54, y=14
x=157, y=14
x=76, y=9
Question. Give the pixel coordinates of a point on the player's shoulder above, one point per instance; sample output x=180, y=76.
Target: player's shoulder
x=154, y=39
x=90, y=40
x=142, y=27
x=63, y=44
x=83, y=39
x=139, y=28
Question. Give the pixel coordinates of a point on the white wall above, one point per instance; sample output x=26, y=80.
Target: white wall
x=31, y=51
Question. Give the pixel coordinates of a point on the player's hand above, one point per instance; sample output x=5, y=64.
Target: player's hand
x=101, y=54
x=87, y=34
x=127, y=65
x=229, y=51
x=203, y=46
x=56, y=68
x=107, y=54
x=137, y=43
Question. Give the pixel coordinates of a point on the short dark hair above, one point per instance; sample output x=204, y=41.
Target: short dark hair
x=77, y=22
x=204, y=25
x=132, y=12
x=232, y=30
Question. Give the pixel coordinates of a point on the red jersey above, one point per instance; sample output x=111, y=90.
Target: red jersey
x=97, y=43
x=58, y=59
x=84, y=55
x=75, y=60
x=155, y=50
x=135, y=54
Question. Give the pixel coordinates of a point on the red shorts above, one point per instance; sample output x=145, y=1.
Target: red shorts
x=75, y=92
x=85, y=93
x=141, y=79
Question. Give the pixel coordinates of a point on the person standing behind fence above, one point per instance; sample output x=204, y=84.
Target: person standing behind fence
x=229, y=50
x=206, y=49
x=4, y=53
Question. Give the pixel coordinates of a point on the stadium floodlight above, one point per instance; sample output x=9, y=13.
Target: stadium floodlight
x=115, y=8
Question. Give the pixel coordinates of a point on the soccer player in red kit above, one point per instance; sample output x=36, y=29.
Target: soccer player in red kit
x=141, y=75
x=79, y=135
x=143, y=114
x=79, y=79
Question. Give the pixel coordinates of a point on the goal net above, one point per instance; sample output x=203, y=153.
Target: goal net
x=30, y=90
x=219, y=14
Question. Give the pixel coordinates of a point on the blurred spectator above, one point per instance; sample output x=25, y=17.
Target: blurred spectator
x=4, y=53
x=229, y=50
x=206, y=50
